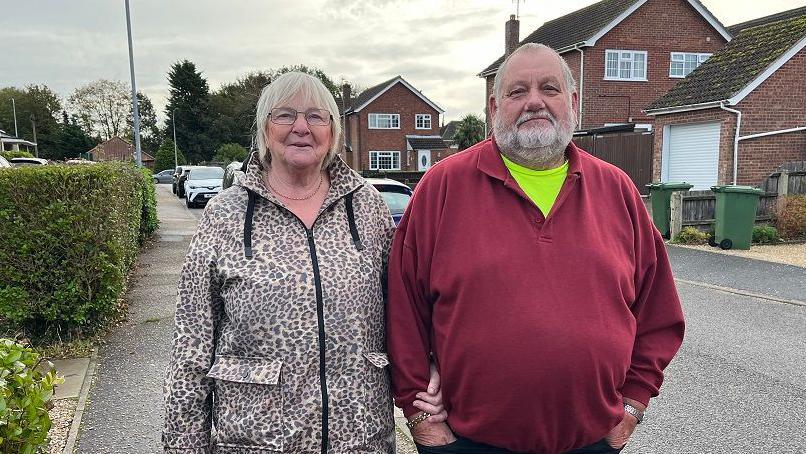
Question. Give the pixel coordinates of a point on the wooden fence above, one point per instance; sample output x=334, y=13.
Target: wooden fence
x=697, y=208
x=631, y=152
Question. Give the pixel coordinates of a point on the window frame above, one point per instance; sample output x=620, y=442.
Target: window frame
x=377, y=154
x=620, y=59
x=391, y=117
x=701, y=58
x=424, y=117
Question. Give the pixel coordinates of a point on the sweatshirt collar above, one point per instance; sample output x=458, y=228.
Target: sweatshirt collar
x=490, y=161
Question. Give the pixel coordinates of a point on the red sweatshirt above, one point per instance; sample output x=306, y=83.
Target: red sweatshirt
x=539, y=325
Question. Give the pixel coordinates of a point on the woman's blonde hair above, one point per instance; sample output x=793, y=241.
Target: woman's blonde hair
x=280, y=91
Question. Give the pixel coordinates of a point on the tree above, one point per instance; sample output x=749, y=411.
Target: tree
x=102, y=107
x=233, y=105
x=150, y=133
x=71, y=140
x=230, y=152
x=38, y=102
x=164, y=157
x=469, y=132
x=190, y=100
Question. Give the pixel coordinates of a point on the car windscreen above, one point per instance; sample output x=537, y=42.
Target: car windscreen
x=206, y=174
x=395, y=197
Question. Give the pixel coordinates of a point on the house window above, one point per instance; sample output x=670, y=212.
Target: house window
x=682, y=63
x=625, y=65
x=422, y=121
x=384, y=160
x=384, y=121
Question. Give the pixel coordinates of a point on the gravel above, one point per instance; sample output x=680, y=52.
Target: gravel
x=789, y=254
x=61, y=416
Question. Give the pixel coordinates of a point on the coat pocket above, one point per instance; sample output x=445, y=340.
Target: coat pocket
x=247, y=402
x=379, y=414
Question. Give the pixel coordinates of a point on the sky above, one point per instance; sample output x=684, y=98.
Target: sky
x=439, y=46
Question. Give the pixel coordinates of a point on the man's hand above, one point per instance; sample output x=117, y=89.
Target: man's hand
x=431, y=401
x=432, y=434
x=620, y=435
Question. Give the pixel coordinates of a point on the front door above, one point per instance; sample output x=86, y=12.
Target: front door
x=423, y=160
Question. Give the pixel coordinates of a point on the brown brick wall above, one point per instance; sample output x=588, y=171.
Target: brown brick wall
x=776, y=104
x=399, y=100
x=659, y=27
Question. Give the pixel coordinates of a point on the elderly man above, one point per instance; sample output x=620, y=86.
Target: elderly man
x=533, y=275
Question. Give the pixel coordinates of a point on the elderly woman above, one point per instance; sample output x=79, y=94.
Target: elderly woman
x=279, y=340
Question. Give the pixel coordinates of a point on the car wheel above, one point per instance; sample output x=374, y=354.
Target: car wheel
x=156, y=181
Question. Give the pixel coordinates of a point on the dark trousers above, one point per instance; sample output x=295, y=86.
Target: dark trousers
x=465, y=446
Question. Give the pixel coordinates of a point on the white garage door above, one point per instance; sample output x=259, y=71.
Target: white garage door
x=692, y=155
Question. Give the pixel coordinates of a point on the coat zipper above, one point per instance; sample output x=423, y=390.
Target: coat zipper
x=320, y=316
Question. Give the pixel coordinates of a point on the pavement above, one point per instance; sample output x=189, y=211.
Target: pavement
x=737, y=385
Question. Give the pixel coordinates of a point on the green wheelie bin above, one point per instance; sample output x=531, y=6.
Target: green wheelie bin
x=660, y=195
x=735, y=215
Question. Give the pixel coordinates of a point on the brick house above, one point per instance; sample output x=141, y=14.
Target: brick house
x=117, y=149
x=742, y=113
x=624, y=53
x=391, y=126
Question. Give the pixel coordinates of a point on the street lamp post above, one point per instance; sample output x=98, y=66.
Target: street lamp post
x=14, y=108
x=135, y=111
x=176, y=154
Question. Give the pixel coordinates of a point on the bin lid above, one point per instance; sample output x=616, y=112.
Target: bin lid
x=739, y=189
x=670, y=185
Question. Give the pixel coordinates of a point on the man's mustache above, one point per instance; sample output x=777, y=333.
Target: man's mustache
x=543, y=114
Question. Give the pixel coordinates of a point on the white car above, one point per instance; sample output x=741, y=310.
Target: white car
x=394, y=193
x=4, y=163
x=202, y=184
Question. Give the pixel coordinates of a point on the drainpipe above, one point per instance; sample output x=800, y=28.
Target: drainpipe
x=581, y=82
x=735, y=139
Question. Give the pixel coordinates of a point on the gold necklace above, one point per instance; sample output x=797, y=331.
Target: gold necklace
x=321, y=178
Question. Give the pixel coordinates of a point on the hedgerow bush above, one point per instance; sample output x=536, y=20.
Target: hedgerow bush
x=25, y=394
x=690, y=235
x=148, y=215
x=68, y=237
x=792, y=218
x=15, y=154
x=765, y=234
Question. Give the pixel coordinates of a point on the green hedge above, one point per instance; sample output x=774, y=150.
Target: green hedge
x=25, y=394
x=68, y=237
x=15, y=154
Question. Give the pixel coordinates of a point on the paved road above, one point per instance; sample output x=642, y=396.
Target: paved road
x=737, y=386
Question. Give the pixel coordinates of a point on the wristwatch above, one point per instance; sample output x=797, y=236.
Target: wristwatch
x=638, y=414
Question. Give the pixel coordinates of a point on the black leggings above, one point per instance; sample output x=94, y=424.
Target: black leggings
x=465, y=446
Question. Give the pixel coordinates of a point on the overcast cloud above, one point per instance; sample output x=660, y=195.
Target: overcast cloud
x=437, y=45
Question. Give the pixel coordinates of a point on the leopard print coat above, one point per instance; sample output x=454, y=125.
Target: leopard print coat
x=284, y=349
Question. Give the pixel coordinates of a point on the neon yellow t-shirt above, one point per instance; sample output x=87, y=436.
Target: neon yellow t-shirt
x=542, y=186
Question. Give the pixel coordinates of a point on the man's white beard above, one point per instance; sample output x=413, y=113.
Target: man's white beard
x=534, y=147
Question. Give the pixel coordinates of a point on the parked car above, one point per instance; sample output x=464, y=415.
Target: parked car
x=232, y=174
x=3, y=163
x=202, y=184
x=179, y=179
x=79, y=161
x=166, y=176
x=24, y=162
x=394, y=193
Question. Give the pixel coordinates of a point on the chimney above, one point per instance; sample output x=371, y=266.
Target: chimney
x=511, y=35
x=345, y=95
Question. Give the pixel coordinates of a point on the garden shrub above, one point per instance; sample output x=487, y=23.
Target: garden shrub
x=15, y=154
x=690, y=235
x=765, y=234
x=149, y=223
x=25, y=394
x=69, y=236
x=792, y=218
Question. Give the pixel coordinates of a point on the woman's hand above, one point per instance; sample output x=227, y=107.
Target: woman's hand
x=430, y=401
